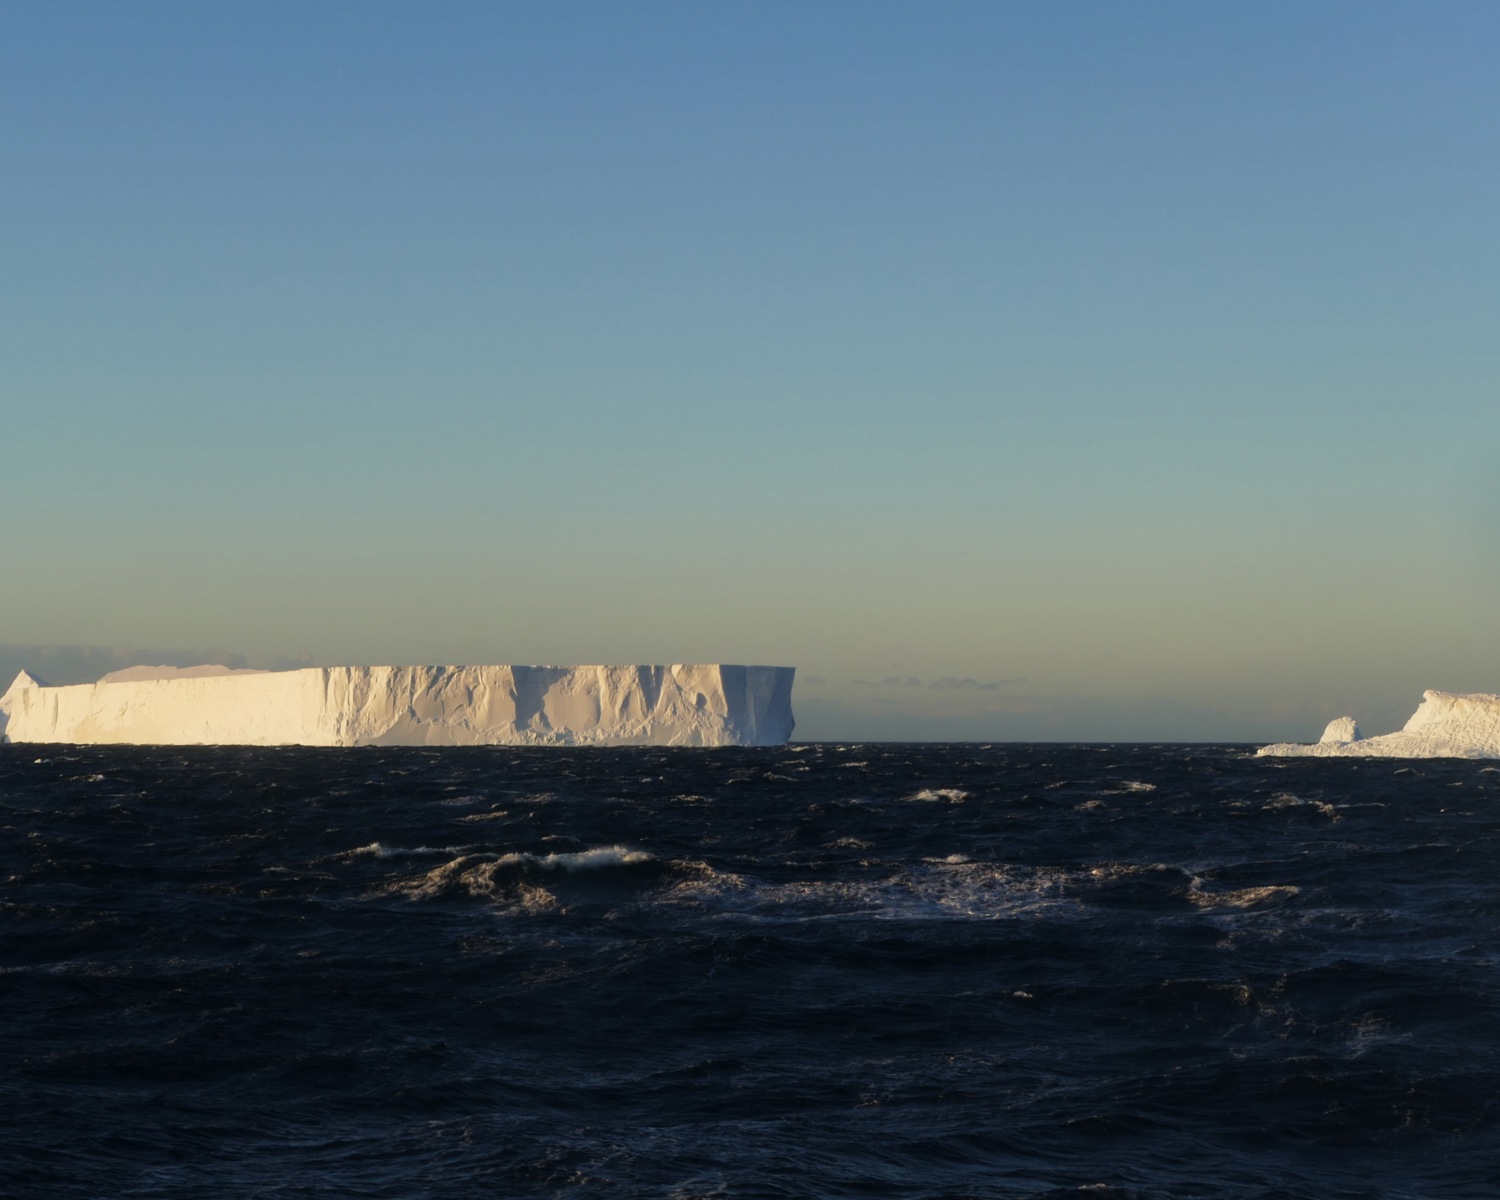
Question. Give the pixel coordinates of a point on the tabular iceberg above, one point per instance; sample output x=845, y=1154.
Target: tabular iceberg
x=1444, y=726
x=709, y=705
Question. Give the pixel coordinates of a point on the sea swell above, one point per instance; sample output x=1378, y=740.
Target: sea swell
x=1000, y=971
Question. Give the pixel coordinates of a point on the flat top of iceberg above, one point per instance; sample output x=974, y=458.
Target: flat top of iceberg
x=145, y=674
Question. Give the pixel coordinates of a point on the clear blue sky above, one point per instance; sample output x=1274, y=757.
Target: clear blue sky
x=1139, y=361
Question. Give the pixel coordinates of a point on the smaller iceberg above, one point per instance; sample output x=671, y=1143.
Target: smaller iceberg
x=1445, y=725
x=1340, y=732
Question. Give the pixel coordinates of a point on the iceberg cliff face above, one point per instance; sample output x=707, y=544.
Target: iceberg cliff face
x=709, y=705
x=1444, y=726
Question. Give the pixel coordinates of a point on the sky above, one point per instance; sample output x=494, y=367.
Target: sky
x=1016, y=371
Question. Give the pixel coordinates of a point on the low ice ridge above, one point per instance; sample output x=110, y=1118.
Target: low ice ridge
x=1445, y=725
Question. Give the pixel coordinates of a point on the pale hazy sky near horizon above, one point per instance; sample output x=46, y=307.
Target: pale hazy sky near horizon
x=1068, y=370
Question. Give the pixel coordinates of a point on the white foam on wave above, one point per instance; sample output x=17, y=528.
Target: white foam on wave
x=951, y=795
x=1289, y=800
x=1122, y=787
x=953, y=887
x=1240, y=898
x=494, y=877
x=580, y=860
x=379, y=850
x=946, y=888
x=474, y=876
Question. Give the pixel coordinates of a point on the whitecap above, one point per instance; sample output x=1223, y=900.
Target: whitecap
x=580, y=860
x=951, y=888
x=1288, y=800
x=951, y=795
x=1240, y=897
x=378, y=850
x=493, y=877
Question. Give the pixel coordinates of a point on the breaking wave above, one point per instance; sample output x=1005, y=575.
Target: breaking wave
x=951, y=795
x=581, y=860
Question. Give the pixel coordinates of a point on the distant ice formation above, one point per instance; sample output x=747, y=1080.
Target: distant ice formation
x=1340, y=732
x=1444, y=726
x=709, y=705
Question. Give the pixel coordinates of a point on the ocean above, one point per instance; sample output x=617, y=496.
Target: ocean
x=809, y=971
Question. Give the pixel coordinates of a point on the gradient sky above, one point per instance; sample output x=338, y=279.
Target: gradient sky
x=1068, y=370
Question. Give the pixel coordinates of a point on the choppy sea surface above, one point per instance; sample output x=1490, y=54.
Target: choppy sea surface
x=811, y=971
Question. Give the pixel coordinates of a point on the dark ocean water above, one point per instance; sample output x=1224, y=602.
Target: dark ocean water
x=814, y=971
